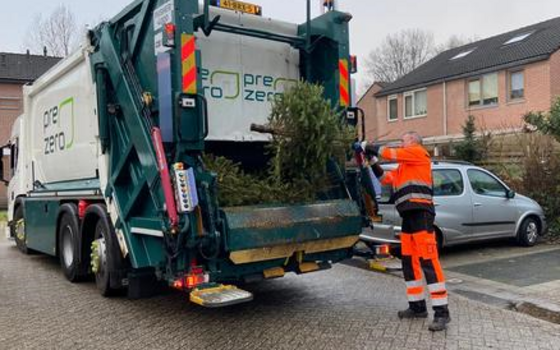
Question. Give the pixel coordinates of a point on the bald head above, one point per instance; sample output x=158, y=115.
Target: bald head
x=410, y=138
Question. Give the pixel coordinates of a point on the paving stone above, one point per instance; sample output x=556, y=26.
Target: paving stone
x=342, y=308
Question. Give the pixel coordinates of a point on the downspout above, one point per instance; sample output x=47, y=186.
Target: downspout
x=444, y=108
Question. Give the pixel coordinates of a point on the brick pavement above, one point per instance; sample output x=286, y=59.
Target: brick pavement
x=343, y=308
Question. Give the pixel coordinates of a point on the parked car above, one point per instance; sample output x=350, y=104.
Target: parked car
x=472, y=204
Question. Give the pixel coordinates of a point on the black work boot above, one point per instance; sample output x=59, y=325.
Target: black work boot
x=441, y=319
x=416, y=309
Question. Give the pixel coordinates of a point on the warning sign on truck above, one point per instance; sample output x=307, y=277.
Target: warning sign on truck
x=238, y=6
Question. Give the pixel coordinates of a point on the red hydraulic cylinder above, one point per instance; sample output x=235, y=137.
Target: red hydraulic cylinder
x=165, y=178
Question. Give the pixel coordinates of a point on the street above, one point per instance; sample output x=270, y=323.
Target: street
x=347, y=307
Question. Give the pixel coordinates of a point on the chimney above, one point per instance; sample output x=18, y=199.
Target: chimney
x=45, y=51
x=28, y=53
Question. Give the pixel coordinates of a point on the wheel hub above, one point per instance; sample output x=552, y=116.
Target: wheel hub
x=532, y=230
x=67, y=246
x=98, y=256
x=20, y=230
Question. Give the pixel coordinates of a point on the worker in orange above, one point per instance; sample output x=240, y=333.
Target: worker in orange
x=412, y=185
x=328, y=4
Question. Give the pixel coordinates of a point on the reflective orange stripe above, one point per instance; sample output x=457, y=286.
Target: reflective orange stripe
x=438, y=296
x=344, y=83
x=420, y=200
x=415, y=290
x=188, y=62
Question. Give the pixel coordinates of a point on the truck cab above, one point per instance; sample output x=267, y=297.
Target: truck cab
x=15, y=186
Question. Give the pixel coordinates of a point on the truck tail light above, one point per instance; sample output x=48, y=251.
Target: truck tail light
x=383, y=250
x=353, y=64
x=82, y=206
x=195, y=278
x=169, y=40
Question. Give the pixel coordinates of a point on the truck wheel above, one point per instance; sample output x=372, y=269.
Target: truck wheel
x=69, y=244
x=528, y=232
x=19, y=230
x=105, y=256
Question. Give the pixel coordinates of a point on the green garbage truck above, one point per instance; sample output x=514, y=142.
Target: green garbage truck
x=106, y=165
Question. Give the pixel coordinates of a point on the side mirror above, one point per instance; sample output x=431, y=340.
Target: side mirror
x=510, y=194
x=2, y=165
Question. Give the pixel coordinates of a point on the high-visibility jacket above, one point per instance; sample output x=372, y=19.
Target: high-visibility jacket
x=411, y=180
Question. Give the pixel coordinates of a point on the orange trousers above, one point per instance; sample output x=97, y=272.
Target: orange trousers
x=420, y=256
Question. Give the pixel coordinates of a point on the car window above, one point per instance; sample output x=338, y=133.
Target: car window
x=485, y=184
x=386, y=193
x=447, y=182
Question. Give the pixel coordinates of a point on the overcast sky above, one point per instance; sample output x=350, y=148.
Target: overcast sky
x=373, y=19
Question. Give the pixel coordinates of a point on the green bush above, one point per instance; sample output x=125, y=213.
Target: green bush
x=3, y=216
x=541, y=180
x=472, y=148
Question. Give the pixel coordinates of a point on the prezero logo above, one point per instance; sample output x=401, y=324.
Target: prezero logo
x=58, y=127
x=229, y=85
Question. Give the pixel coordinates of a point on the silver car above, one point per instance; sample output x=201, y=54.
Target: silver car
x=472, y=204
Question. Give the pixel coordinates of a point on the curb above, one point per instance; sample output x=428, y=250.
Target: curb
x=538, y=309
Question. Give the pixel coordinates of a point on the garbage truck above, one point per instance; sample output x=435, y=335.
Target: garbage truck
x=106, y=158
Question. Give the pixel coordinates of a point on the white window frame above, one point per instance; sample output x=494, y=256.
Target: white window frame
x=389, y=99
x=509, y=85
x=480, y=80
x=412, y=93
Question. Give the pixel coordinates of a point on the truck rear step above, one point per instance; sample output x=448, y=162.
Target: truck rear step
x=219, y=295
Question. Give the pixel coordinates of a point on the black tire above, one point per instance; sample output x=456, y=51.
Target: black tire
x=111, y=262
x=439, y=241
x=19, y=232
x=529, y=232
x=69, y=243
x=395, y=250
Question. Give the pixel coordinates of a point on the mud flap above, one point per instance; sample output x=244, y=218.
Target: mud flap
x=219, y=295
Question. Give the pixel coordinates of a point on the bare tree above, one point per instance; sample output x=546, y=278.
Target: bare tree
x=453, y=42
x=58, y=33
x=399, y=54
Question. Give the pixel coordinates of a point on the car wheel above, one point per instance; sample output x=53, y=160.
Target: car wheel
x=18, y=232
x=529, y=232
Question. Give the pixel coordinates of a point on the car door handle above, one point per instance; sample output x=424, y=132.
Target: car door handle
x=478, y=204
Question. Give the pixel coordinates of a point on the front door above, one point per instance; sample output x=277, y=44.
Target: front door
x=453, y=205
x=493, y=212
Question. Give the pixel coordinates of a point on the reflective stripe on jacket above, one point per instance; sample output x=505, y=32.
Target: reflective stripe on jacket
x=412, y=179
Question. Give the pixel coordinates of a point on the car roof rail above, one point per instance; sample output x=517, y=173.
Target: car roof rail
x=459, y=162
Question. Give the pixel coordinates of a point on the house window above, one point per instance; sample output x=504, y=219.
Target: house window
x=518, y=38
x=483, y=91
x=415, y=104
x=392, y=113
x=516, y=85
x=462, y=54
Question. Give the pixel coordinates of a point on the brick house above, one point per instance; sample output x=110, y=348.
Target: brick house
x=16, y=70
x=368, y=103
x=497, y=80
